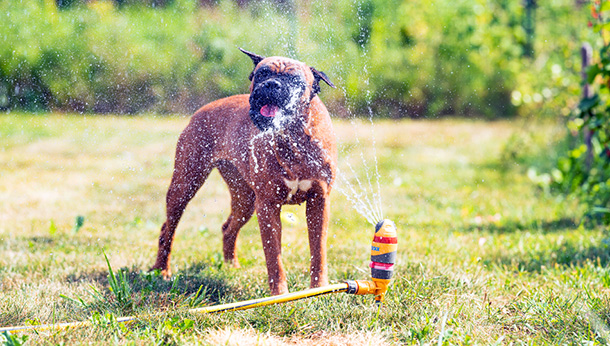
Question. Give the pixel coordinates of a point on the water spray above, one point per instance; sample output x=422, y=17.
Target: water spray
x=383, y=257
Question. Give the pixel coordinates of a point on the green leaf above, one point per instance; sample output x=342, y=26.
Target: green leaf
x=78, y=223
x=588, y=103
x=601, y=26
x=592, y=72
x=600, y=210
x=8, y=339
x=605, y=6
x=52, y=228
x=186, y=324
x=112, y=280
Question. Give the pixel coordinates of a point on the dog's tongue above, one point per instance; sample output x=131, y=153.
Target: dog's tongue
x=269, y=110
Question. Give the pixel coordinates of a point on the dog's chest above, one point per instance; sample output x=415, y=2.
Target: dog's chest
x=297, y=185
x=297, y=190
x=291, y=167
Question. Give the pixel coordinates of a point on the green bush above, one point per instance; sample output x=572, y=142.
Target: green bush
x=585, y=170
x=397, y=58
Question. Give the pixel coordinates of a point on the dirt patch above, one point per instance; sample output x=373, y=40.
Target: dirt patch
x=243, y=337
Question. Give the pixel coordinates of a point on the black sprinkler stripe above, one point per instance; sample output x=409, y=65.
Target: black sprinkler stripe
x=381, y=274
x=389, y=258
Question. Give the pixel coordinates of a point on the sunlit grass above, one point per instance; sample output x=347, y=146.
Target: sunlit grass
x=484, y=253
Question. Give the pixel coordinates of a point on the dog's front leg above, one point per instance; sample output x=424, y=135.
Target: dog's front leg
x=318, y=213
x=268, y=213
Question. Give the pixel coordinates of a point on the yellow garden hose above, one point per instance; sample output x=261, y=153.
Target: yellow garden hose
x=255, y=303
x=59, y=326
x=248, y=304
x=383, y=257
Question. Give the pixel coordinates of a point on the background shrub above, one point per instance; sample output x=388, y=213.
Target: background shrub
x=585, y=169
x=397, y=58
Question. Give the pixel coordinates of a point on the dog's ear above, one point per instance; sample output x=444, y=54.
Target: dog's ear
x=255, y=59
x=319, y=75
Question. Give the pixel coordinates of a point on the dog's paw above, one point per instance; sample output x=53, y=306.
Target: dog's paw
x=277, y=290
x=318, y=281
x=166, y=274
x=233, y=263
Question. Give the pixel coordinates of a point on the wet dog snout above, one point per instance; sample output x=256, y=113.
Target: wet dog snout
x=272, y=85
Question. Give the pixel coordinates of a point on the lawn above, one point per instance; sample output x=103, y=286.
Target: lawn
x=486, y=255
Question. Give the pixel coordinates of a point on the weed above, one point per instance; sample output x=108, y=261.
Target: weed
x=178, y=324
x=120, y=299
x=52, y=228
x=78, y=223
x=7, y=339
x=199, y=298
x=119, y=287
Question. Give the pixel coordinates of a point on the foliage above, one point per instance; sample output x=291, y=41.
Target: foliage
x=119, y=287
x=7, y=339
x=401, y=58
x=128, y=292
x=585, y=170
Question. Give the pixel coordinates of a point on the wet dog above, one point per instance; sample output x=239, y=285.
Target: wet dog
x=273, y=147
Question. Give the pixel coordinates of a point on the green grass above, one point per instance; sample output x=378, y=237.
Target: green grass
x=485, y=255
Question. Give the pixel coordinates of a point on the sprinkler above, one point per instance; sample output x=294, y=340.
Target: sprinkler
x=383, y=257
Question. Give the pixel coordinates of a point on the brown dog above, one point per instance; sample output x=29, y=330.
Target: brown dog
x=273, y=147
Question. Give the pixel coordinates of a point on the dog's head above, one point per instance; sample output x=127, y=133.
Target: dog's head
x=281, y=91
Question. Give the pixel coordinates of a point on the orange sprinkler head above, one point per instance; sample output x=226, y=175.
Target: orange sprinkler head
x=383, y=257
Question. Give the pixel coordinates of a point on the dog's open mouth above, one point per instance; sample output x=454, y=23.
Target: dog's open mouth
x=269, y=110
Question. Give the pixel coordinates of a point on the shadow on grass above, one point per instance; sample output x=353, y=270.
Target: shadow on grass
x=566, y=255
x=198, y=278
x=569, y=253
x=542, y=226
x=42, y=240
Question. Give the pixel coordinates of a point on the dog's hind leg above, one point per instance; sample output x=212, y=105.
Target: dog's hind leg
x=242, y=208
x=192, y=167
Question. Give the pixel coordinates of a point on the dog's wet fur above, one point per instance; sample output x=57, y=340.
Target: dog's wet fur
x=273, y=147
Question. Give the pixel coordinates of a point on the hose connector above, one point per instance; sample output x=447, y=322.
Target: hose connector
x=361, y=287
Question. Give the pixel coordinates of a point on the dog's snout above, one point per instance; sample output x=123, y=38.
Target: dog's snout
x=272, y=84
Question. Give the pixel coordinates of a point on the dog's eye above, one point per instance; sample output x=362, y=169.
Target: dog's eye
x=296, y=81
x=262, y=74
